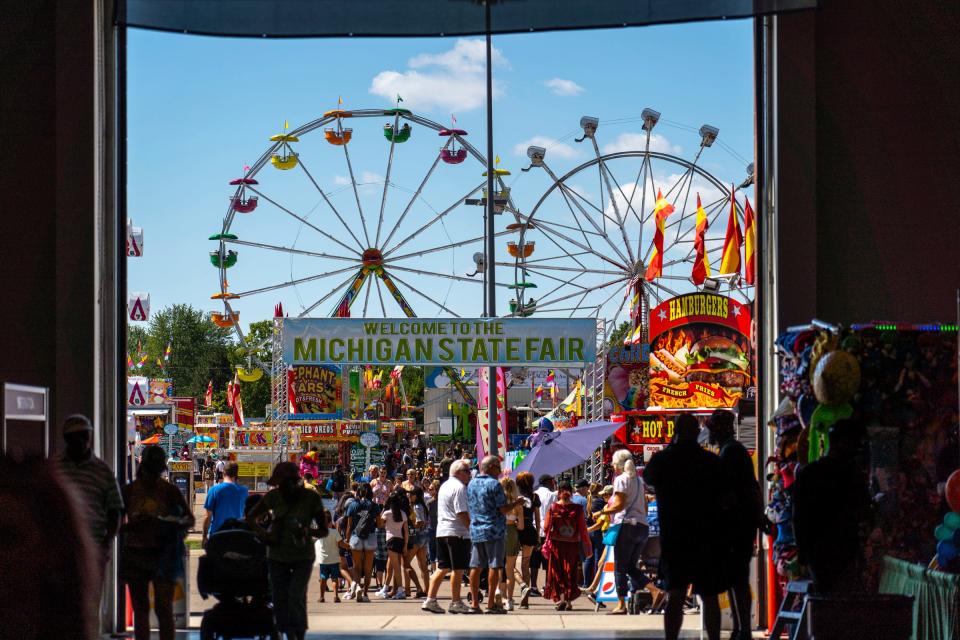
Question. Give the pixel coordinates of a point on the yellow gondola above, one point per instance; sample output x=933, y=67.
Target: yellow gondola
x=284, y=162
x=249, y=375
x=284, y=137
x=224, y=296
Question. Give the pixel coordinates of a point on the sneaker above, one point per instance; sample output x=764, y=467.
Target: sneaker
x=459, y=607
x=400, y=594
x=508, y=605
x=363, y=598
x=432, y=606
x=495, y=610
x=525, y=597
x=383, y=593
x=348, y=595
x=535, y=592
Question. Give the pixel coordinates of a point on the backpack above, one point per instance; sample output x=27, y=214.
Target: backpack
x=564, y=525
x=366, y=523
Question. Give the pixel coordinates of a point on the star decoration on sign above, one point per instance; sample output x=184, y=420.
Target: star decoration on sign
x=736, y=310
x=662, y=315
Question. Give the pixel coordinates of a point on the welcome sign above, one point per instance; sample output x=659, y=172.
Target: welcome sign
x=447, y=341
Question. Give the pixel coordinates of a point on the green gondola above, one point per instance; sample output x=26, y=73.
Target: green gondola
x=398, y=112
x=523, y=285
x=397, y=136
x=225, y=263
x=223, y=236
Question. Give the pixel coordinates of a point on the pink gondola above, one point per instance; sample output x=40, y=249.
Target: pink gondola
x=452, y=132
x=453, y=157
x=240, y=181
x=241, y=205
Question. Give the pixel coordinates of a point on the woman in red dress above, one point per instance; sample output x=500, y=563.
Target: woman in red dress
x=566, y=535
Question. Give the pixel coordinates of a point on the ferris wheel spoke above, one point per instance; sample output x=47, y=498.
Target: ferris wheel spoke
x=623, y=219
x=607, y=177
x=715, y=211
x=423, y=295
x=281, y=249
x=356, y=194
x=383, y=307
x=547, y=267
x=600, y=231
x=446, y=276
x=543, y=226
x=406, y=210
x=386, y=181
x=557, y=288
x=293, y=283
x=686, y=195
x=445, y=247
x=330, y=204
x=565, y=255
x=329, y=295
x=304, y=221
x=616, y=316
x=366, y=298
x=655, y=284
x=568, y=282
x=542, y=303
x=434, y=220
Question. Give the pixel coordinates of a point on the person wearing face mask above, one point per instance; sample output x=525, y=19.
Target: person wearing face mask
x=298, y=517
x=96, y=486
x=157, y=521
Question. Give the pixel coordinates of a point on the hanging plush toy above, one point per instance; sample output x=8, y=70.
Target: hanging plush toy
x=836, y=378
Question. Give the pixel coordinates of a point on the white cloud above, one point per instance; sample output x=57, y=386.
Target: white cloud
x=554, y=148
x=341, y=181
x=561, y=87
x=367, y=177
x=453, y=81
x=638, y=141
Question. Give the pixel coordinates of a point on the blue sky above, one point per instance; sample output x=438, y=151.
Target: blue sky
x=200, y=109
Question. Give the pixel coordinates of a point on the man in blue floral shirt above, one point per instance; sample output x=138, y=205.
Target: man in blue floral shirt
x=487, y=504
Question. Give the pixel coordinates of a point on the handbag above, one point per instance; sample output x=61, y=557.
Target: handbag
x=613, y=531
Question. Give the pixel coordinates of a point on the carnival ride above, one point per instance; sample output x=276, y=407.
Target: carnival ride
x=581, y=248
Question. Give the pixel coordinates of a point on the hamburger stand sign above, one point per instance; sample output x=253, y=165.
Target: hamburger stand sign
x=699, y=352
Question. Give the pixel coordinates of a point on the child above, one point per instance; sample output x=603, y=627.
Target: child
x=328, y=559
x=394, y=520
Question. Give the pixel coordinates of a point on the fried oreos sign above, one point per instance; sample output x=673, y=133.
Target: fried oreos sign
x=419, y=341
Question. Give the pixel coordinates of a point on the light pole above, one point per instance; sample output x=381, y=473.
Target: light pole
x=491, y=297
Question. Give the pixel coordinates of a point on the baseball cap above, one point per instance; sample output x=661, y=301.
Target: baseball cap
x=76, y=423
x=283, y=471
x=607, y=490
x=582, y=482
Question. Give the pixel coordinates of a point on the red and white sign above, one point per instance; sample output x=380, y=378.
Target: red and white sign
x=137, y=391
x=134, y=240
x=138, y=307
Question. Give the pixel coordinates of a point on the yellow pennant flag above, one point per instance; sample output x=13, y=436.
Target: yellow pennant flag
x=286, y=124
x=339, y=99
x=497, y=159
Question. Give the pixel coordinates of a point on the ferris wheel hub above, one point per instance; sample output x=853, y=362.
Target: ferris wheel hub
x=372, y=258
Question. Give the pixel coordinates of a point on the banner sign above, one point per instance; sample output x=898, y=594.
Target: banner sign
x=137, y=391
x=161, y=391
x=699, y=352
x=646, y=429
x=329, y=431
x=318, y=391
x=211, y=431
x=184, y=412
x=138, y=307
x=419, y=341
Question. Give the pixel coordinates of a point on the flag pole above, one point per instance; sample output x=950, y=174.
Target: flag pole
x=491, y=302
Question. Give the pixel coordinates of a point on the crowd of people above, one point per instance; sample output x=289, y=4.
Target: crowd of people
x=401, y=530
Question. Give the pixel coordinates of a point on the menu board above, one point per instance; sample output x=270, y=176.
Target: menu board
x=699, y=352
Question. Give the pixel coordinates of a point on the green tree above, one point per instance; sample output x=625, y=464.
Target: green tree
x=199, y=351
x=618, y=335
x=259, y=344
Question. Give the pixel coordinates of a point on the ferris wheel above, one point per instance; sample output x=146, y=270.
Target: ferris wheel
x=585, y=246
x=324, y=233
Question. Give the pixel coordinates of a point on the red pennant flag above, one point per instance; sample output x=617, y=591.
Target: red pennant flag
x=237, y=403
x=660, y=213
x=229, y=394
x=701, y=265
x=731, y=243
x=749, y=243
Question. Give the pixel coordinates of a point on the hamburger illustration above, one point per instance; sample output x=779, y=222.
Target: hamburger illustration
x=718, y=360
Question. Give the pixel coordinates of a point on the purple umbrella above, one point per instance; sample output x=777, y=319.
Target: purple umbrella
x=563, y=450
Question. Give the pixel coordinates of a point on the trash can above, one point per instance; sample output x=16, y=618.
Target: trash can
x=851, y=617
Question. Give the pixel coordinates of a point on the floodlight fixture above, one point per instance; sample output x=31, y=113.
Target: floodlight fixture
x=751, y=177
x=589, y=125
x=708, y=134
x=536, y=155
x=650, y=119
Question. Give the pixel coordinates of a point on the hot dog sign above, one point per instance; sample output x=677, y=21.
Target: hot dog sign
x=699, y=352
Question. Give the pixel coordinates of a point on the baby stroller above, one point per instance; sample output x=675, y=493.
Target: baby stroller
x=234, y=571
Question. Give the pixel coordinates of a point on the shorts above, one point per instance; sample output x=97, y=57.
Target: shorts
x=381, y=550
x=379, y=564
x=363, y=544
x=487, y=555
x=395, y=545
x=453, y=552
x=346, y=557
x=330, y=571
x=512, y=545
x=418, y=539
